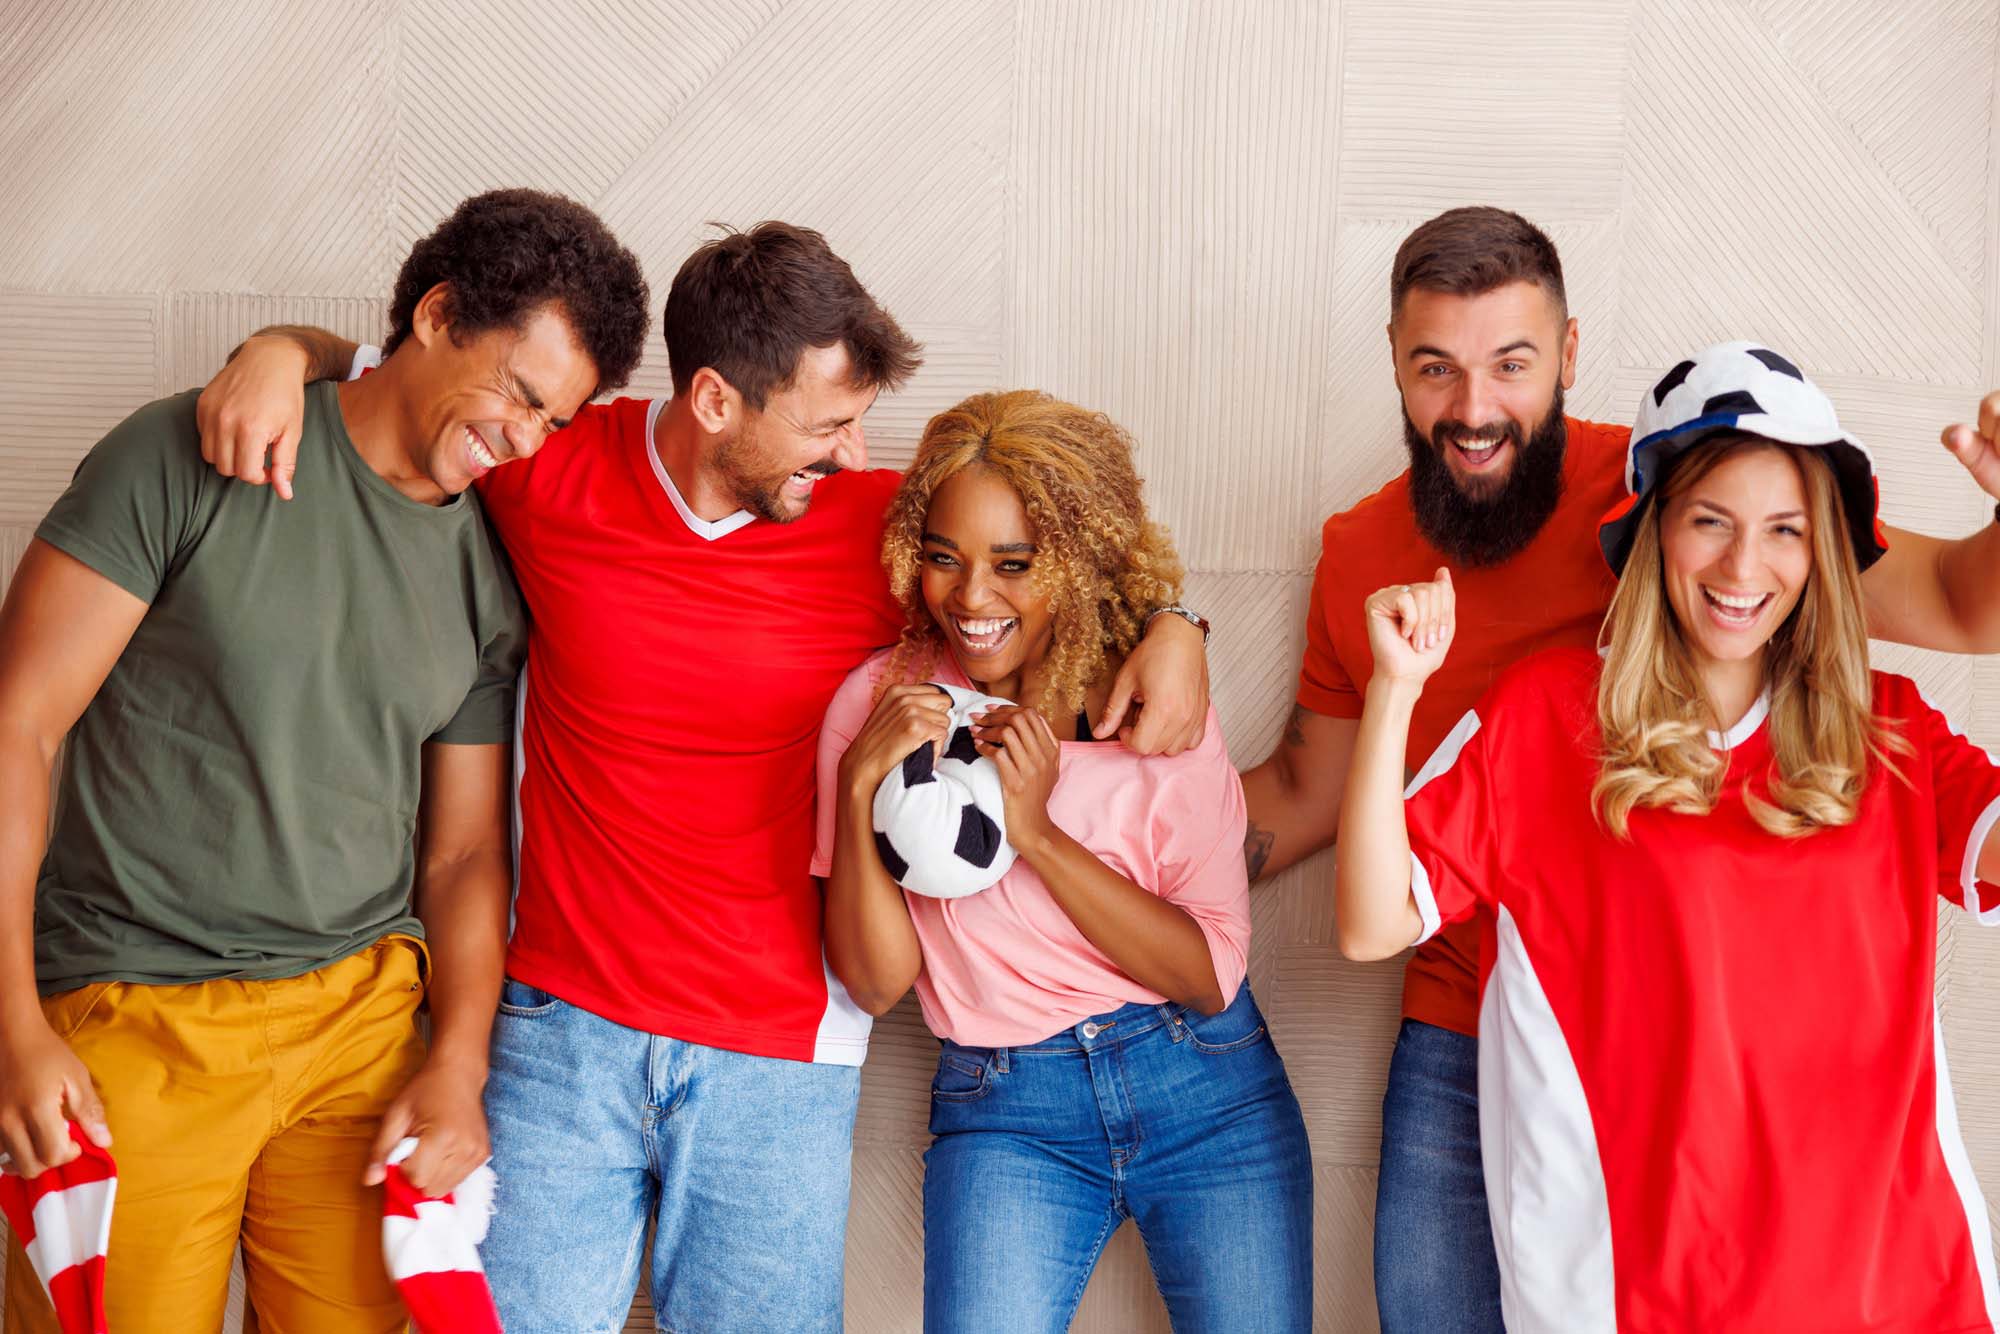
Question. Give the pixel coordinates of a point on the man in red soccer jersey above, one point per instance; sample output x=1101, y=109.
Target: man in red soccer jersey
x=1505, y=490
x=702, y=572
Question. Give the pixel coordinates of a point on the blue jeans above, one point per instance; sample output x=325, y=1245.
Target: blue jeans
x=739, y=1162
x=1435, y=1268
x=1183, y=1122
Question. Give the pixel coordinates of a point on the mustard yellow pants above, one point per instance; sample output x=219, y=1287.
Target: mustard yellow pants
x=243, y=1111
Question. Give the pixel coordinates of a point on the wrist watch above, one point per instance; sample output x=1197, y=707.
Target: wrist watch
x=1188, y=614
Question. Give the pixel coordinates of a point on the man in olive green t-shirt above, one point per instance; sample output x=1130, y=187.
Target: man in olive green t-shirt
x=287, y=776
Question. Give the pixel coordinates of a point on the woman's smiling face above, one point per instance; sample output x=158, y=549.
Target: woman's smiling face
x=978, y=577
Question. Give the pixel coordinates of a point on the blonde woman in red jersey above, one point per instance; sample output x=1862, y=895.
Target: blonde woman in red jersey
x=1712, y=1087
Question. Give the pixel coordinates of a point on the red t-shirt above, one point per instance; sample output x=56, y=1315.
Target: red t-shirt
x=1712, y=1084
x=1552, y=592
x=677, y=674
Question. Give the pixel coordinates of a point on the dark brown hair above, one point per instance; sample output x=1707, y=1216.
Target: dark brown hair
x=1468, y=251
x=748, y=304
x=507, y=253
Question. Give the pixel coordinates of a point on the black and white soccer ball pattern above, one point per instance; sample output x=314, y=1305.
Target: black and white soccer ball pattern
x=1742, y=386
x=941, y=827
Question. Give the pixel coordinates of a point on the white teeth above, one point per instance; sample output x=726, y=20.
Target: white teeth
x=982, y=628
x=1736, y=603
x=481, y=455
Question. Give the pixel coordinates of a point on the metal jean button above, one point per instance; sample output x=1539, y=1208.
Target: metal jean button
x=1091, y=1030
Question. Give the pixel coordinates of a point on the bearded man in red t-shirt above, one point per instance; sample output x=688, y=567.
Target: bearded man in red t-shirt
x=1506, y=491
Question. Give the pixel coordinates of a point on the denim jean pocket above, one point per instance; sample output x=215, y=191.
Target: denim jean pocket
x=961, y=1077
x=1234, y=1028
x=525, y=1002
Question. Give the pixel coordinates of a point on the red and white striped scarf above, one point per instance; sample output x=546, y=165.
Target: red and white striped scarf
x=63, y=1218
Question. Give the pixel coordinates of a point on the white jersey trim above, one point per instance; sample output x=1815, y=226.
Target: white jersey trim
x=707, y=530
x=1959, y=1163
x=843, y=1027
x=1968, y=870
x=367, y=357
x=1544, y=1180
x=1746, y=726
x=1441, y=759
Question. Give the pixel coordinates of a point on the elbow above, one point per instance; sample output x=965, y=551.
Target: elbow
x=877, y=1001
x=1208, y=1002
x=1361, y=947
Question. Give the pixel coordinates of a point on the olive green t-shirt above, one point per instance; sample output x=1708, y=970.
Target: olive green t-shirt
x=240, y=797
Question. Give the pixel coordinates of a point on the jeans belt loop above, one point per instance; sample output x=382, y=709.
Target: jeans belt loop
x=1000, y=1060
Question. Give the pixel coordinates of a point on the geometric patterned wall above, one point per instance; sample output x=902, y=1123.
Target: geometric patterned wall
x=1178, y=211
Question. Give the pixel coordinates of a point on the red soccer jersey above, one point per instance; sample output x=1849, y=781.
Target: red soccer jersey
x=1712, y=1085
x=1551, y=593
x=677, y=674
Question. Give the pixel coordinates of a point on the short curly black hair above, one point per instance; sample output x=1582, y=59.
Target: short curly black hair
x=507, y=253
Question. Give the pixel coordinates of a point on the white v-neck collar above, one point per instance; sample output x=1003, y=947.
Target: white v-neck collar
x=706, y=529
x=1746, y=726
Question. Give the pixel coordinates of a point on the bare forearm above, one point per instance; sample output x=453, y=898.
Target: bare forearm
x=1150, y=940
x=328, y=355
x=1284, y=826
x=871, y=944
x=1375, y=914
x=26, y=763
x=1969, y=571
x=463, y=906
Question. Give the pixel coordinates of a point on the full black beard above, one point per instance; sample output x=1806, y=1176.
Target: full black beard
x=1485, y=530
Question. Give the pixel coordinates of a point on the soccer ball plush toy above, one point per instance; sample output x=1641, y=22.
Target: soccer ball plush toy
x=940, y=823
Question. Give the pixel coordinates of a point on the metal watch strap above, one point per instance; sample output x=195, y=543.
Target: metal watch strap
x=1188, y=614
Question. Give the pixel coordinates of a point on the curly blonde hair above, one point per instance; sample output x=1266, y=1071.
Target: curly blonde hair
x=1655, y=715
x=1103, y=565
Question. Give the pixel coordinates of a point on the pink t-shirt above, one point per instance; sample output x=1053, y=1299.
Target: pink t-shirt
x=1006, y=966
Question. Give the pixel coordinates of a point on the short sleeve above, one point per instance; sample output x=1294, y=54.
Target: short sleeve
x=486, y=717
x=1325, y=686
x=1965, y=781
x=1201, y=857
x=128, y=510
x=1453, y=831
x=845, y=717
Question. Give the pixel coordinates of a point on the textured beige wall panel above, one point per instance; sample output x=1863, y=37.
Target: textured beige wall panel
x=1258, y=640
x=181, y=144
x=1335, y=1022
x=1121, y=1297
x=71, y=368
x=563, y=97
x=1343, y=1248
x=885, y=1242
x=198, y=330
x=1752, y=206
x=1469, y=102
x=896, y=1082
x=1173, y=184
x=1909, y=82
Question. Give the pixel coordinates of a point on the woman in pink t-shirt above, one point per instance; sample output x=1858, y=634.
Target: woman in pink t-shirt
x=1102, y=1057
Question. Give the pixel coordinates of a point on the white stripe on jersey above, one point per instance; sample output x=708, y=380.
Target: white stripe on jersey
x=1959, y=1163
x=1544, y=1182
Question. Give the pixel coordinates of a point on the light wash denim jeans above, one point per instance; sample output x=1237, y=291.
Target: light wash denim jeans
x=1435, y=1267
x=739, y=1162
x=1180, y=1121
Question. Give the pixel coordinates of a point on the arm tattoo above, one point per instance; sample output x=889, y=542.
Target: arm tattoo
x=1256, y=848
x=1295, y=734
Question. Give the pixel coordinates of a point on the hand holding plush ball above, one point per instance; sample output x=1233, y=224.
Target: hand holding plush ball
x=940, y=815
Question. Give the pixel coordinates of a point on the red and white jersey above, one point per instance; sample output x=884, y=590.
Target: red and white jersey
x=678, y=670
x=1712, y=1083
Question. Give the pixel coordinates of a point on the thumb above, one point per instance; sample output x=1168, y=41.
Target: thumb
x=1443, y=574
x=395, y=1125
x=1962, y=441
x=1118, y=704
x=81, y=1104
x=285, y=462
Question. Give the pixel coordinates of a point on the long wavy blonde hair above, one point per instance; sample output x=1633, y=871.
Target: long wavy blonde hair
x=1655, y=715
x=1102, y=563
